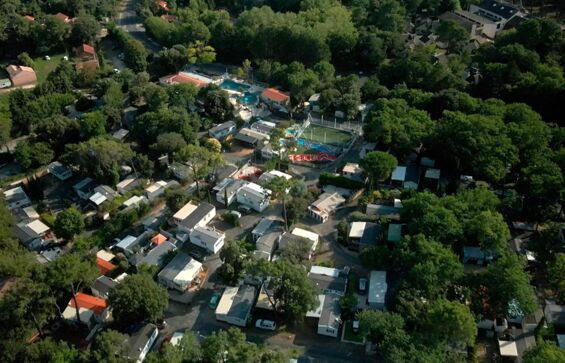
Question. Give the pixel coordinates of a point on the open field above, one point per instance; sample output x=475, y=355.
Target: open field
x=326, y=135
x=44, y=67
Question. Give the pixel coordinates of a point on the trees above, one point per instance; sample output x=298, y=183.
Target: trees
x=450, y=322
x=490, y=231
x=136, y=299
x=280, y=186
x=216, y=103
x=234, y=263
x=92, y=124
x=109, y=347
x=84, y=30
x=169, y=143
x=453, y=34
x=544, y=352
x=379, y=165
x=68, y=223
x=229, y=346
x=33, y=155
x=200, y=53
x=556, y=276
x=289, y=291
x=200, y=161
x=213, y=145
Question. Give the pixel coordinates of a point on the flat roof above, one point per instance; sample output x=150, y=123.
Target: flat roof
x=237, y=301
x=38, y=227
x=399, y=174
x=156, y=255
x=185, y=211
x=263, y=226
x=507, y=348
x=328, y=271
x=196, y=216
x=432, y=173
x=394, y=232
x=314, y=237
x=181, y=270
x=126, y=242
x=377, y=287
x=357, y=229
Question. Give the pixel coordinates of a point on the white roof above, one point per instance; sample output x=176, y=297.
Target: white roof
x=126, y=242
x=561, y=341
x=352, y=168
x=188, y=273
x=38, y=227
x=105, y=255
x=277, y=173
x=133, y=200
x=399, y=173
x=318, y=311
x=256, y=188
x=507, y=348
x=305, y=234
x=185, y=211
x=357, y=229
x=197, y=76
x=98, y=198
x=13, y=191
x=327, y=271
x=70, y=313
x=227, y=300
x=176, y=338
x=397, y=203
x=31, y=212
x=156, y=186
x=124, y=183
x=377, y=287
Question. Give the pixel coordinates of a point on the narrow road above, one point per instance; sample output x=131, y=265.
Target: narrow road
x=129, y=21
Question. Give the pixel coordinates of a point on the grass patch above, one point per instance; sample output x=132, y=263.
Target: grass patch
x=326, y=135
x=349, y=335
x=44, y=67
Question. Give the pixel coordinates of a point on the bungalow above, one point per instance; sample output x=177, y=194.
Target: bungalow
x=120, y=135
x=63, y=17
x=228, y=187
x=324, y=206
x=501, y=13
x=270, y=175
x=131, y=245
x=254, y=196
x=431, y=178
x=59, y=171
x=472, y=254
x=226, y=171
x=207, y=238
x=21, y=76
x=85, y=188
x=102, y=193
x=155, y=190
x=186, y=78
x=180, y=273
x=263, y=127
x=16, y=198
x=191, y=216
x=554, y=314
x=394, y=233
x=32, y=234
x=363, y=234
x=329, y=280
x=26, y=214
x=180, y=171
x=85, y=52
x=330, y=315
x=104, y=266
x=251, y=137
x=128, y=184
x=140, y=342
x=102, y=286
x=299, y=236
x=91, y=310
x=134, y=202
x=353, y=171
x=377, y=290
x=154, y=257
x=222, y=130
x=236, y=304
x=266, y=245
x=261, y=228
x=381, y=210
x=275, y=98
x=267, y=151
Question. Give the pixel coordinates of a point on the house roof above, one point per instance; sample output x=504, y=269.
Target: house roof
x=38, y=227
x=399, y=174
x=507, y=348
x=329, y=283
x=158, y=239
x=371, y=234
x=103, y=285
x=21, y=75
x=138, y=340
x=394, y=232
x=328, y=202
x=197, y=215
x=156, y=255
x=186, y=78
x=88, y=49
x=311, y=236
x=263, y=226
x=357, y=229
x=502, y=9
x=126, y=242
x=181, y=270
x=222, y=126
x=246, y=139
x=206, y=234
x=383, y=210
x=237, y=302
x=185, y=211
x=331, y=312
x=29, y=17
x=86, y=183
x=266, y=244
x=62, y=17
x=352, y=168
x=226, y=171
x=14, y=195
x=377, y=287
x=275, y=95
x=432, y=173
x=85, y=301
x=104, y=266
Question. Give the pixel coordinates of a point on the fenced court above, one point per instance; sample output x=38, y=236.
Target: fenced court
x=326, y=135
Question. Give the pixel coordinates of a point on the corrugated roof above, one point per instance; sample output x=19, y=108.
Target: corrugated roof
x=89, y=302
x=275, y=95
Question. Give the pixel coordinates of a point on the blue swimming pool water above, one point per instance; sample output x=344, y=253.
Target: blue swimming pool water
x=321, y=148
x=249, y=98
x=234, y=86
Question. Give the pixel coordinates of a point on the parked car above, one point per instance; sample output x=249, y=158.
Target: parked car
x=214, y=300
x=197, y=255
x=265, y=324
x=244, y=209
x=355, y=326
x=362, y=285
x=235, y=213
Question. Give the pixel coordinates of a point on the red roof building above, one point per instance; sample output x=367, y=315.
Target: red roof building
x=21, y=75
x=104, y=266
x=29, y=17
x=158, y=239
x=63, y=17
x=276, y=96
x=89, y=302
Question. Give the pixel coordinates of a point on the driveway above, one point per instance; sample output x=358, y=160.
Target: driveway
x=129, y=22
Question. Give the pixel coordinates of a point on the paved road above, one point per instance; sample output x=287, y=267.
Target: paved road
x=129, y=21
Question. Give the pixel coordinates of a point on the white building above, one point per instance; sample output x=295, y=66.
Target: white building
x=497, y=11
x=328, y=313
x=222, y=130
x=16, y=198
x=102, y=193
x=209, y=239
x=180, y=273
x=270, y=175
x=127, y=185
x=261, y=228
x=155, y=190
x=140, y=342
x=135, y=201
x=254, y=196
x=325, y=205
x=194, y=217
x=236, y=304
x=228, y=187
x=353, y=171
x=377, y=290
x=32, y=233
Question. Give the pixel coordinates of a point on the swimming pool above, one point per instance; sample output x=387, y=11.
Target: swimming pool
x=230, y=85
x=249, y=98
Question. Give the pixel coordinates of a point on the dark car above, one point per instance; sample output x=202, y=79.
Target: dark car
x=362, y=287
x=214, y=300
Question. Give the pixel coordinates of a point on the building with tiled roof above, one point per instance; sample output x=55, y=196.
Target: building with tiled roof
x=274, y=96
x=21, y=76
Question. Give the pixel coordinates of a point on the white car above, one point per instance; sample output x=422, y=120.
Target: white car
x=265, y=324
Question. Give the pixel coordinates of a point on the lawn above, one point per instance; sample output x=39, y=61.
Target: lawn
x=326, y=135
x=349, y=335
x=44, y=67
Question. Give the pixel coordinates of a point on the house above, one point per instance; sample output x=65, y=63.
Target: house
x=363, y=234
x=508, y=349
x=476, y=26
x=251, y=137
x=381, y=210
x=472, y=254
x=155, y=256
x=228, y=187
x=270, y=175
x=394, y=233
x=330, y=316
x=299, y=235
x=102, y=286
x=226, y=171
x=180, y=273
x=63, y=17
x=329, y=280
x=102, y=193
x=135, y=202
x=180, y=171
x=186, y=78
x=91, y=310
x=155, y=190
x=267, y=151
x=128, y=116
x=85, y=188
x=120, y=135
x=275, y=98
x=353, y=171
x=194, y=216
x=16, y=198
x=21, y=76
x=25, y=214
x=131, y=245
x=254, y=196
x=431, y=178
x=236, y=304
x=128, y=184
x=261, y=228
x=59, y=171
x=325, y=205
x=263, y=127
x=554, y=314
x=104, y=266
x=32, y=234
x=412, y=179
x=266, y=245
x=85, y=52
x=377, y=290
x=207, y=238
x=497, y=11
x=222, y=130
x=140, y=342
